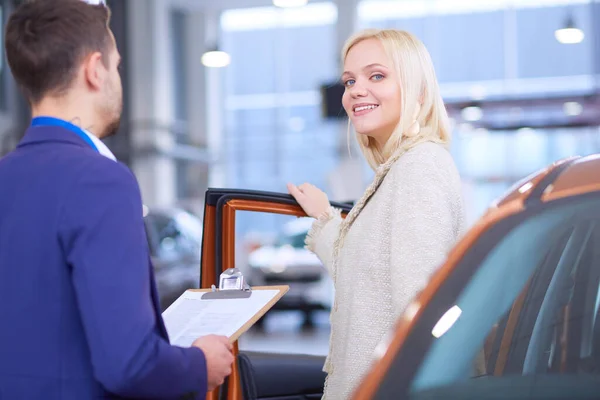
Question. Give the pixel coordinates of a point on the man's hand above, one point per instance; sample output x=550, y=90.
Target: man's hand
x=219, y=357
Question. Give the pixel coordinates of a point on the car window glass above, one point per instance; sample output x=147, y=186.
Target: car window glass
x=527, y=322
x=270, y=251
x=175, y=238
x=296, y=241
x=176, y=235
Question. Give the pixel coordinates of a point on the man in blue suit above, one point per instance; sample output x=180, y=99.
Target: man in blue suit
x=78, y=303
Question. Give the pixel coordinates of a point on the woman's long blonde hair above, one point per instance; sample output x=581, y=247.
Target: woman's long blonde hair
x=418, y=88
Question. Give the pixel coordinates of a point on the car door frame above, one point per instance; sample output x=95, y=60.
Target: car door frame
x=218, y=247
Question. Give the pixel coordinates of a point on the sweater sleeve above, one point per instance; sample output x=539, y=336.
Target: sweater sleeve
x=322, y=235
x=423, y=224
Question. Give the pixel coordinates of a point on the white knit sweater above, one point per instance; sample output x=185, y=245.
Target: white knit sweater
x=383, y=253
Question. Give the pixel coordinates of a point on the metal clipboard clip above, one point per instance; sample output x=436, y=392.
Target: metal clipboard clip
x=232, y=285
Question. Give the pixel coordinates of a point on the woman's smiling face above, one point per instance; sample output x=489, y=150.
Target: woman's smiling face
x=372, y=98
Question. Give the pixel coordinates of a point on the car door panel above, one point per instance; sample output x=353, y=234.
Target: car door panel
x=281, y=376
x=255, y=375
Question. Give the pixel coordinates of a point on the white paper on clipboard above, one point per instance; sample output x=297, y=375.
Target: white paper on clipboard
x=190, y=316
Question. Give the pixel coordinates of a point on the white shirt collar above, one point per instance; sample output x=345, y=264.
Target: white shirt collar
x=102, y=148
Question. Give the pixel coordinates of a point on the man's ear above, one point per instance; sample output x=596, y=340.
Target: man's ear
x=94, y=71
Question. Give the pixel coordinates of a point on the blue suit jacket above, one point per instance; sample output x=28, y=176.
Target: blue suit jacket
x=79, y=310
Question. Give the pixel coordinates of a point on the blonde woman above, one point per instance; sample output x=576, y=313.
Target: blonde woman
x=410, y=216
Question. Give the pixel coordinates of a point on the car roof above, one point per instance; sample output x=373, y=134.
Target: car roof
x=579, y=176
x=567, y=177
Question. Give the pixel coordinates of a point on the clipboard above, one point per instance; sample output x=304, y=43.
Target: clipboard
x=229, y=311
x=283, y=289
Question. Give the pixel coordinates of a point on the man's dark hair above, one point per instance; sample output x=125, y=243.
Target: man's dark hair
x=46, y=40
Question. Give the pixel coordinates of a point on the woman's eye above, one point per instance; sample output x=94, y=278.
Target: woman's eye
x=349, y=82
x=377, y=77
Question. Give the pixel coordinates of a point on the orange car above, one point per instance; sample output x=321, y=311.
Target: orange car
x=513, y=313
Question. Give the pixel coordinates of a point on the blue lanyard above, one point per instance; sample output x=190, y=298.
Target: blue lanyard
x=51, y=121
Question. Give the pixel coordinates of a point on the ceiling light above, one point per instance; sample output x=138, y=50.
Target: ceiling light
x=472, y=113
x=572, y=108
x=569, y=34
x=525, y=130
x=289, y=3
x=216, y=59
